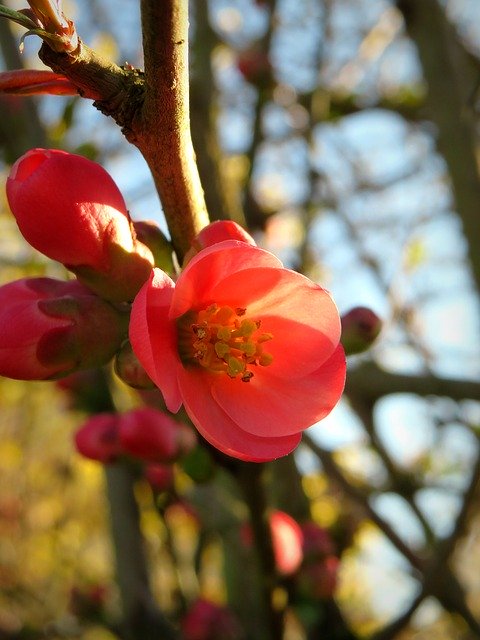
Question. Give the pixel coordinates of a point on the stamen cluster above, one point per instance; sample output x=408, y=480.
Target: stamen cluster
x=224, y=340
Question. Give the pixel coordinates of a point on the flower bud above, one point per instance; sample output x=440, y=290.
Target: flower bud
x=150, y=234
x=51, y=328
x=71, y=210
x=360, y=328
x=150, y=434
x=160, y=476
x=287, y=540
x=216, y=232
x=128, y=368
x=319, y=579
x=98, y=438
x=208, y=621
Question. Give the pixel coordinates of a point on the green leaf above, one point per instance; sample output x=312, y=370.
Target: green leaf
x=17, y=16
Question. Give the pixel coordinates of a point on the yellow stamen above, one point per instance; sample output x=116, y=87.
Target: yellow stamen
x=223, y=340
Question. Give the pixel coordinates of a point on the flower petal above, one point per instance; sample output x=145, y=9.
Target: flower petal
x=220, y=430
x=272, y=407
x=211, y=266
x=153, y=336
x=301, y=315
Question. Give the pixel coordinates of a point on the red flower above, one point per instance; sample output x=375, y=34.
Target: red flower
x=49, y=328
x=71, y=210
x=251, y=349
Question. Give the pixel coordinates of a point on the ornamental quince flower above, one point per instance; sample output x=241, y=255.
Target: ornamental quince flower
x=251, y=349
x=71, y=210
x=50, y=328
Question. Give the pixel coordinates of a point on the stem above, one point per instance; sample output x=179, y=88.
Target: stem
x=250, y=480
x=165, y=139
x=141, y=618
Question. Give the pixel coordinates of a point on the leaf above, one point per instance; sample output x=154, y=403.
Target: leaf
x=18, y=17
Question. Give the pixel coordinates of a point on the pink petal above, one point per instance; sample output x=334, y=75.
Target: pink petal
x=222, y=432
x=300, y=314
x=274, y=407
x=211, y=266
x=153, y=336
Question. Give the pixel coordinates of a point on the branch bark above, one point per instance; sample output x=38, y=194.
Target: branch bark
x=451, y=77
x=152, y=109
x=371, y=382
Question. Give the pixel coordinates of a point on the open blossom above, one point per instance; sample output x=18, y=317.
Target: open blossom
x=71, y=210
x=251, y=349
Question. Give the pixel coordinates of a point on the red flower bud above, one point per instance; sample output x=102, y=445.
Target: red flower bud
x=208, y=621
x=254, y=65
x=129, y=369
x=360, y=328
x=319, y=580
x=216, y=232
x=98, y=439
x=160, y=476
x=317, y=541
x=71, y=210
x=150, y=434
x=287, y=540
x=50, y=328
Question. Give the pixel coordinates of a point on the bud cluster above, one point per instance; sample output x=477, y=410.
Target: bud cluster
x=145, y=434
x=70, y=209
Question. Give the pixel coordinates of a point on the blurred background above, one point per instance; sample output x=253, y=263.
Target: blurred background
x=345, y=135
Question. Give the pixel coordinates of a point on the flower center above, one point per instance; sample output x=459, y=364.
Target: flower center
x=224, y=340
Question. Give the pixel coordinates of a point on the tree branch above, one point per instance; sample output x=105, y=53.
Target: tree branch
x=371, y=382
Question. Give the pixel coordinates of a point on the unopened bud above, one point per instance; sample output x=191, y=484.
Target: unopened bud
x=150, y=234
x=360, y=328
x=128, y=368
x=160, y=476
x=150, y=434
x=98, y=438
x=71, y=210
x=51, y=328
x=216, y=232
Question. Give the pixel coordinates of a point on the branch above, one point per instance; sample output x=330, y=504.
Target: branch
x=152, y=109
x=451, y=76
x=164, y=136
x=371, y=382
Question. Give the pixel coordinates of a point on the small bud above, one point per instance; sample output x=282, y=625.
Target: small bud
x=57, y=30
x=128, y=368
x=208, y=621
x=319, y=579
x=254, y=65
x=71, y=210
x=149, y=234
x=287, y=541
x=360, y=328
x=216, y=232
x=150, y=434
x=98, y=438
x=51, y=328
x=160, y=476
x=317, y=541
